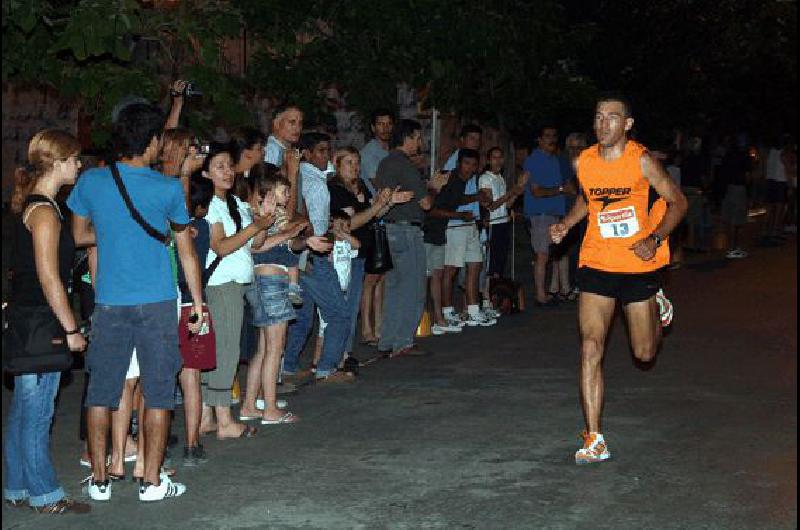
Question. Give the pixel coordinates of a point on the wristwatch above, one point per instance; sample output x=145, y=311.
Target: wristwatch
x=657, y=238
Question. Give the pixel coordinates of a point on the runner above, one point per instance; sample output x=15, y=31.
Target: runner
x=632, y=205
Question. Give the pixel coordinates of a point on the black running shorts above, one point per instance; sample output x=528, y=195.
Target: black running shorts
x=625, y=287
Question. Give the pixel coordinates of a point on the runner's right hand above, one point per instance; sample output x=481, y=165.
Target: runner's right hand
x=558, y=232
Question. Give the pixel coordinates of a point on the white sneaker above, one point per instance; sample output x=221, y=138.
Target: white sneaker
x=99, y=491
x=490, y=313
x=455, y=320
x=166, y=490
x=665, y=309
x=436, y=329
x=281, y=403
x=736, y=253
x=480, y=319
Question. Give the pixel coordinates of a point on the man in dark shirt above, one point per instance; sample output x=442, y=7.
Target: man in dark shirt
x=734, y=172
x=445, y=208
x=404, y=298
x=694, y=184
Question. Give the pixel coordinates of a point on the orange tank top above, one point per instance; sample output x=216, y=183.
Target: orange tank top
x=620, y=211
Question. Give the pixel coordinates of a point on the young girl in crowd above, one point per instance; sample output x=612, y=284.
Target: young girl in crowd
x=344, y=252
x=274, y=264
x=233, y=231
x=269, y=294
x=201, y=191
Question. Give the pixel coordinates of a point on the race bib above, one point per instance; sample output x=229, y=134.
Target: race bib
x=618, y=223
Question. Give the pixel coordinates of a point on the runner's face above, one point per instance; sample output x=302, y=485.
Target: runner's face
x=610, y=123
x=548, y=140
x=289, y=125
x=383, y=128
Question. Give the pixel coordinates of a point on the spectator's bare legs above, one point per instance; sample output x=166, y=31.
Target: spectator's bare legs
x=436, y=296
x=120, y=422
x=448, y=279
x=156, y=427
x=594, y=315
x=98, y=420
x=207, y=423
x=473, y=277
x=275, y=336
x=377, y=305
x=254, y=370
x=559, y=280
x=539, y=274
x=138, y=404
x=190, y=384
x=318, y=344
x=371, y=303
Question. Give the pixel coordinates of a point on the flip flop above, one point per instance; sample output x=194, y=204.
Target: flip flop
x=249, y=418
x=248, y=432
x=286, y=418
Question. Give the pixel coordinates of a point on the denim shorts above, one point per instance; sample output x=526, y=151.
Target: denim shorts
x=116, y=330
x=277, y=255
x=268, y=298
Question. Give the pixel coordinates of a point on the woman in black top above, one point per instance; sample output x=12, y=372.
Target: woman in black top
x=348, y=193
x=42, y=261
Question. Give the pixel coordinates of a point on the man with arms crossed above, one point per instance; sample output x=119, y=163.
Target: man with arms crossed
x=621, y=255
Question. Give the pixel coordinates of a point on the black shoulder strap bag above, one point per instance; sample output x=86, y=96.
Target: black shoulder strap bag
x=147, y=227
x=34, y=341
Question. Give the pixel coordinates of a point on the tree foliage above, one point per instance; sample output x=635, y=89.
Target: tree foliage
x=508, y=62
x=95, y=52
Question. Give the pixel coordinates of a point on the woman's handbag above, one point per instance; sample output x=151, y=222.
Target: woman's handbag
x=34, y=341
x=199, y=351
x=378, y=258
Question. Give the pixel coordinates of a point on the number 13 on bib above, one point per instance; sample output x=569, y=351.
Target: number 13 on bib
x=618, y=223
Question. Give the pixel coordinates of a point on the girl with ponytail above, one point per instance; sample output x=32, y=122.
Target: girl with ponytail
x=42, y=262
x=233, y=231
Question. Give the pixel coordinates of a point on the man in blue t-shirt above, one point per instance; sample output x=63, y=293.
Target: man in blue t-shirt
x=135, y=292
x=545, y=203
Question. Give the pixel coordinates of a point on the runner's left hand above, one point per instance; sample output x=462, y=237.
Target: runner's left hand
x=645, y=249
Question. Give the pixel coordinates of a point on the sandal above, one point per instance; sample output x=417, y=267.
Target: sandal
x=63, y=506
x=286, y=418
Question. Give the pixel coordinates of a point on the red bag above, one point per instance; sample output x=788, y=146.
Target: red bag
x=198, y=351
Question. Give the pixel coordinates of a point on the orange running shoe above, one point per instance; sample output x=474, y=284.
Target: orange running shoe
x=594, y=449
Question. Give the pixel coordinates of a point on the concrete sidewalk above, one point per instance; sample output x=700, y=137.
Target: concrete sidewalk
x=482, y=435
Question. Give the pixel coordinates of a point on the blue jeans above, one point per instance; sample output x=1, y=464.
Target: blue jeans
x=320, y=288
x=404, y=295
x=26, y=448
x=353, y=299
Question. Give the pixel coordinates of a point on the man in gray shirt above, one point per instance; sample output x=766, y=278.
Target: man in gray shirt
x=405, y=294
x=381, y=125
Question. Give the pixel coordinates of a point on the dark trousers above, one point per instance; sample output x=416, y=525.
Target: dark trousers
x=499, y=243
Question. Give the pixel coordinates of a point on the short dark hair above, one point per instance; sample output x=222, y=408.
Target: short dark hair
x=340, y=214
x=136, y=126
x=402, y=130
x=467, y=153
x=245, y=138
x=265, y=177
x=283, y=107
x=201, y=191
x=310, y=140
x=620, y=98
x=469, y=129
x=377, y=113
x=543, y=127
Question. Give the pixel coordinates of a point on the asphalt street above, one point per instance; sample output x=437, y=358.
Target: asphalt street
x=482, y=434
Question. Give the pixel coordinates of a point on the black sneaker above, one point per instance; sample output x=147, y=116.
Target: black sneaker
x=194, y=456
